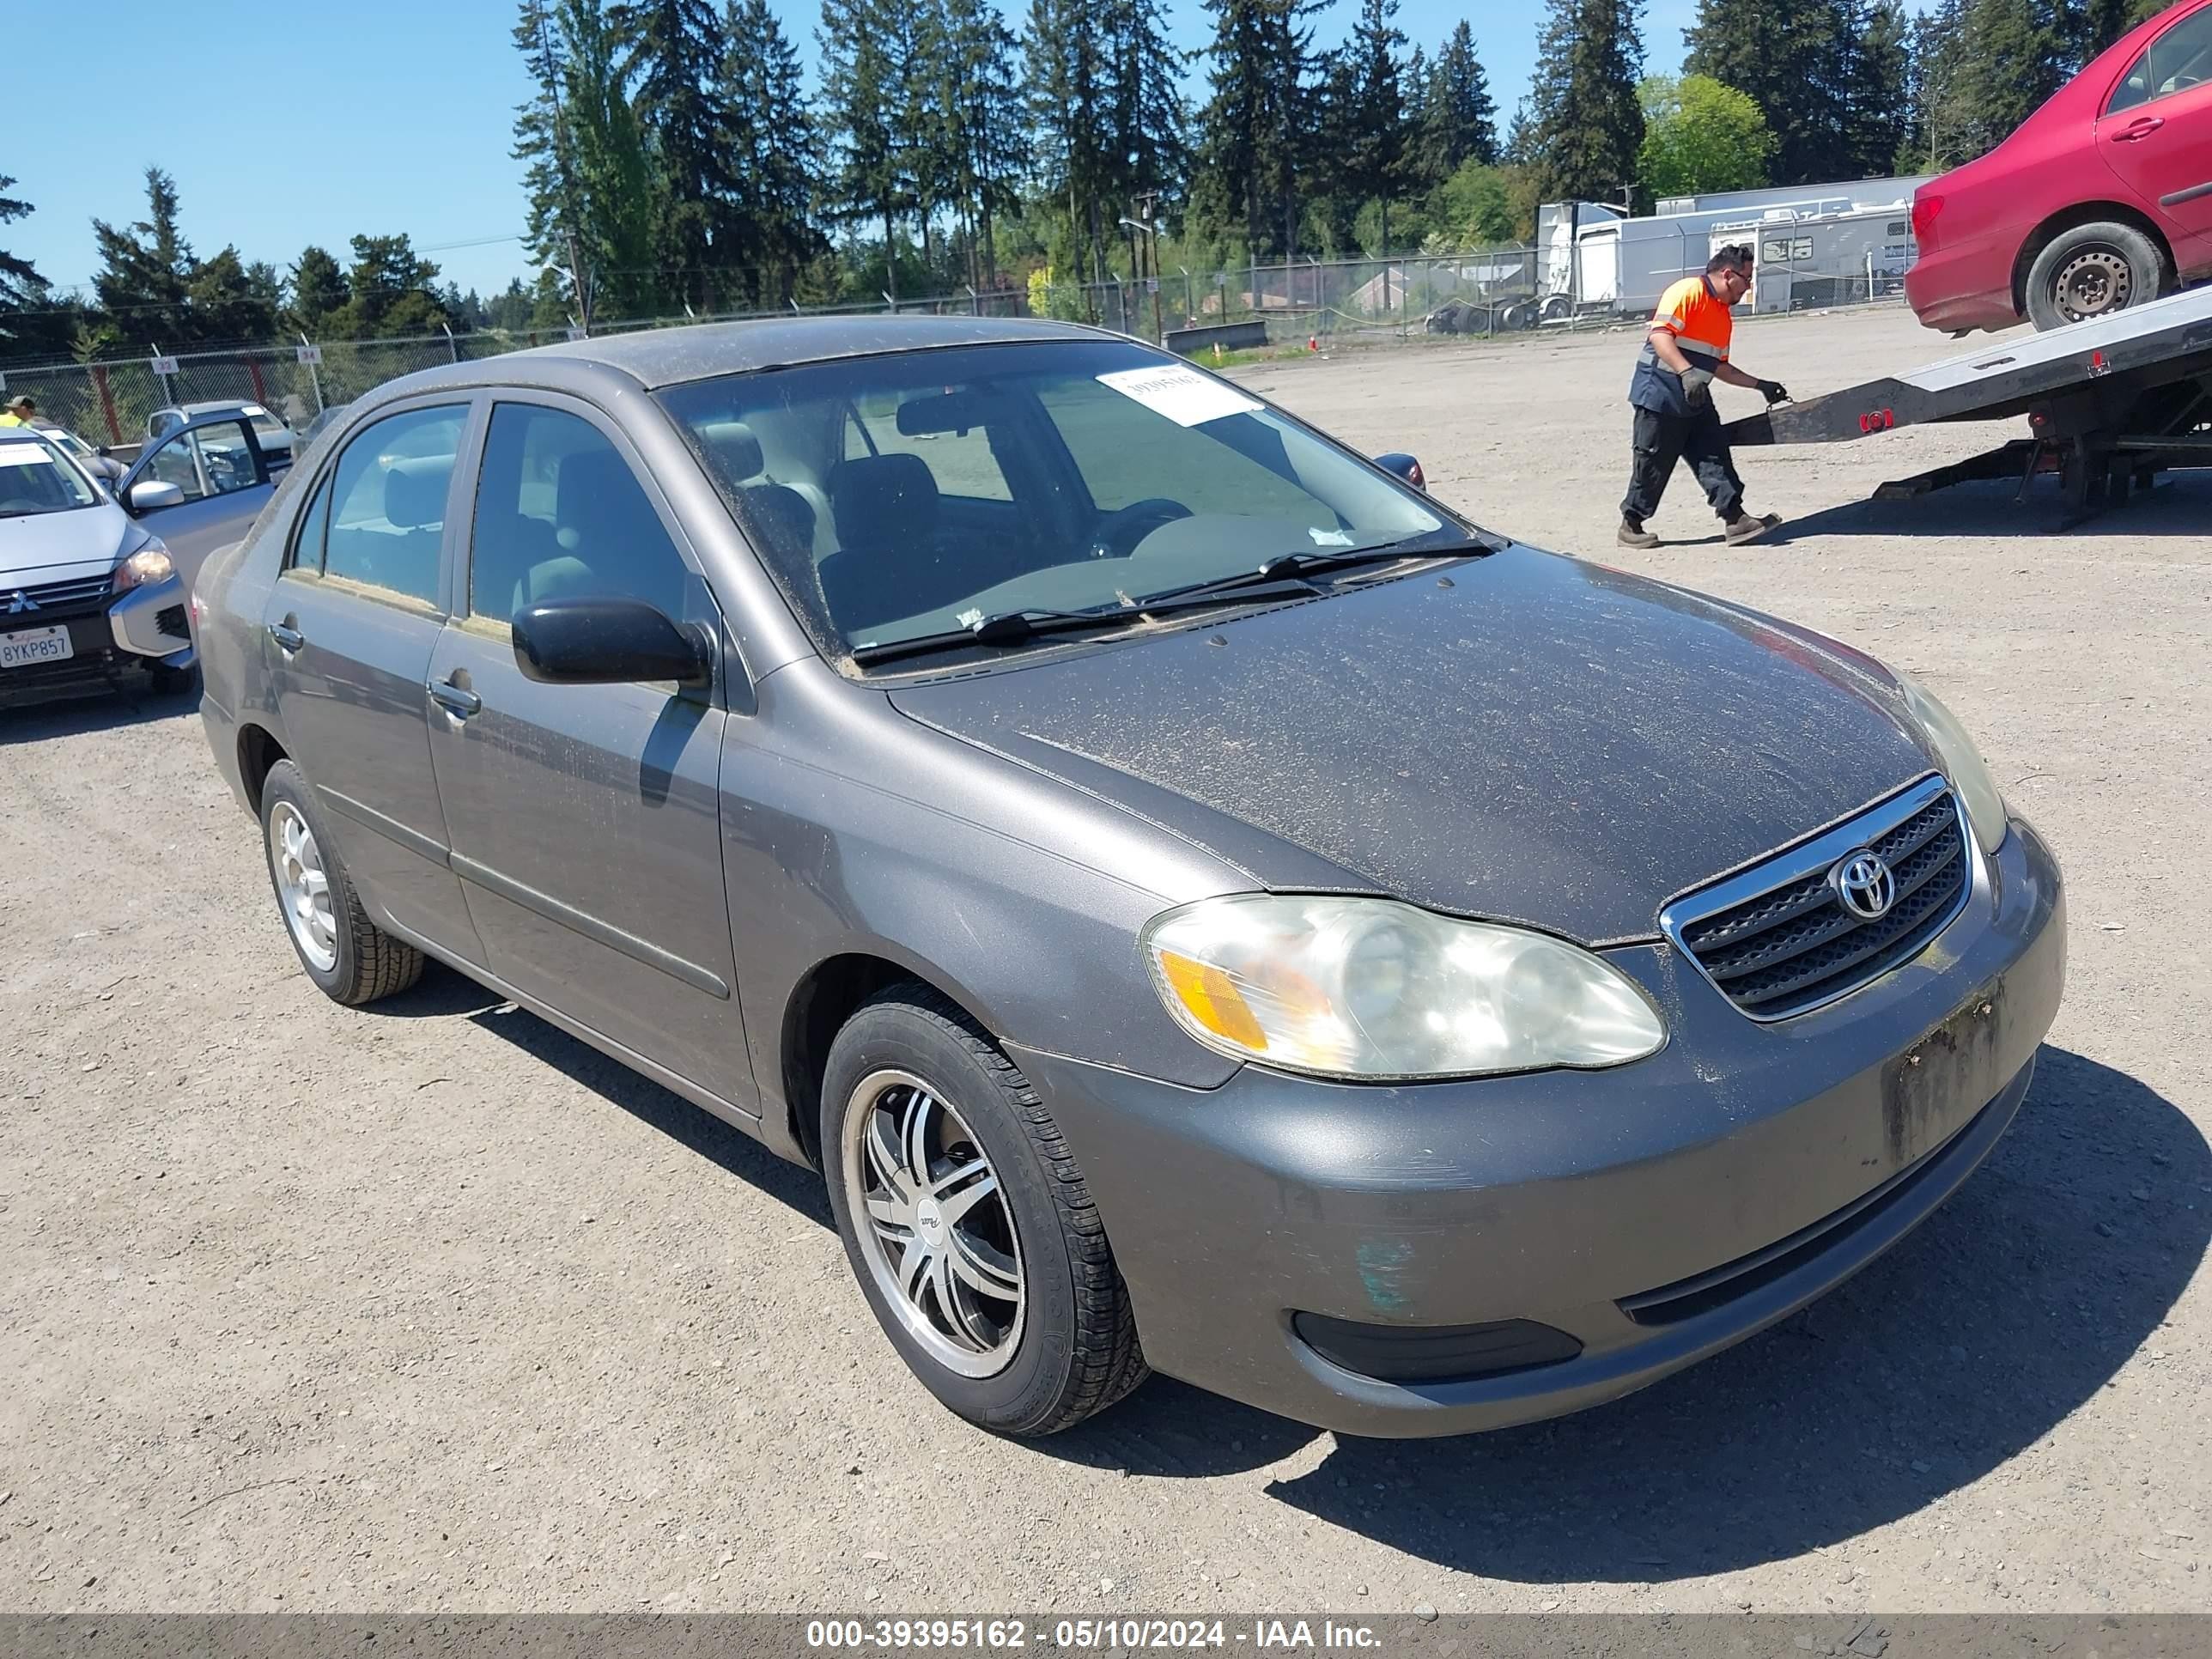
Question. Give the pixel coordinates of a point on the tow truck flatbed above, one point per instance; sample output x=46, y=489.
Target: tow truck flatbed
x=2110, y=404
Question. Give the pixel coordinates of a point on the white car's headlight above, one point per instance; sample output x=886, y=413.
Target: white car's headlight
x=150, y=563
x=1962, y=762
x=1372, y=989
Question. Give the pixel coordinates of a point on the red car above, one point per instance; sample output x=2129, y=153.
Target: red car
x=2102, y=199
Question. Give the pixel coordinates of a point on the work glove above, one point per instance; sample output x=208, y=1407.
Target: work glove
x=1698, y=387
x=1774, y=391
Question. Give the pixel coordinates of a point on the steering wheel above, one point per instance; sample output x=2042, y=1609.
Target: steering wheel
x=1120, y=531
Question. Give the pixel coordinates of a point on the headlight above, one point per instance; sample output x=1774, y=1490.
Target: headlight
x=1362, y=987
x=150, y=563
x=1962, y=762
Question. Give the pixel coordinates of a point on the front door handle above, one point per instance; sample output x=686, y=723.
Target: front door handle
x=458, y=701
x=289, y=639
x=2142, y=128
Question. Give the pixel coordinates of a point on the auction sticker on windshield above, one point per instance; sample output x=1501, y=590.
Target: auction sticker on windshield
x=1183, y=395
x=22, y=648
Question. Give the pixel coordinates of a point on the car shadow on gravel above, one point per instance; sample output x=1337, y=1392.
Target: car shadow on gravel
x=2053, y=1266
x=76, y=715
x=445, y=993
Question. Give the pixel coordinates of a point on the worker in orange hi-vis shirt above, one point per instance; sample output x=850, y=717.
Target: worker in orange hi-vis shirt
x=1685, y=350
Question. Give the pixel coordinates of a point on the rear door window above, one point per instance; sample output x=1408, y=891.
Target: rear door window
x=388, y=496
x=2176, y=61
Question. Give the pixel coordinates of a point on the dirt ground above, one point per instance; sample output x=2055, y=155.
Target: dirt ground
x=430, y=1307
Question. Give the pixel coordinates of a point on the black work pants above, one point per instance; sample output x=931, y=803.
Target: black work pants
x=1660, y=440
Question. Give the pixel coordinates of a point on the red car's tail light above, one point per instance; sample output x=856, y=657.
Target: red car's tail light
x=1925, y=206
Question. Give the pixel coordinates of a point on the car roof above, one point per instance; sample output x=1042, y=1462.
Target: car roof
x=656, y=357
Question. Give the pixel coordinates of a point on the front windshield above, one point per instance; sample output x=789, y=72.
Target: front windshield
x=905, y=495
x=35, y=478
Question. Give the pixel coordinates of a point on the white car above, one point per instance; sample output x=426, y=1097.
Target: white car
x=274, y=437
x=86, y=592
x=98, y=462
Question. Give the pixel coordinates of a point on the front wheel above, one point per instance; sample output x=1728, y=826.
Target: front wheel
x=2094, y=270
x=968, y=1222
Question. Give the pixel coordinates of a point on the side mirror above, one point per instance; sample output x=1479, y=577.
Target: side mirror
x=104, y=452
x=1404, y=467
x=603, y=641
x=152, y=494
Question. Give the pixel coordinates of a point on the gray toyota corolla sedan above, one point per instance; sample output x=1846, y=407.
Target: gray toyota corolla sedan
x=1203, y=905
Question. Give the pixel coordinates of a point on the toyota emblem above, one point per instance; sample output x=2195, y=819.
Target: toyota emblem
x=1863, y=884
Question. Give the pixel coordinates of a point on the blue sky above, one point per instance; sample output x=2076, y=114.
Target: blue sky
x=288, y=125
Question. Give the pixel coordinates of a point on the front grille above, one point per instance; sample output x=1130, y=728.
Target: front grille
x=1777, y=940
x=34, y=604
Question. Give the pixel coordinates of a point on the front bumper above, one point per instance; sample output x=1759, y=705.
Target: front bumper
x=146, y=627
x=1656, y=1214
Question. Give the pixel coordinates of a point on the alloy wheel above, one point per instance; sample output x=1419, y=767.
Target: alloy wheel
x=303, y=886
x=934, y=1224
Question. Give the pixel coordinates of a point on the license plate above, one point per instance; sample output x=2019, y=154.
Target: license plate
x=33, y=645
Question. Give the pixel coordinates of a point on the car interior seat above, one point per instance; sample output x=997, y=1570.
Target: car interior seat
x=415, y=507
x=885, y=508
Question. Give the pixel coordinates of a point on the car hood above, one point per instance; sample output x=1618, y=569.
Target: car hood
x=46, y=547
x=1523, y=737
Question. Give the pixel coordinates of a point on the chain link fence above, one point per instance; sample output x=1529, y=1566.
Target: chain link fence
x=1296, y=303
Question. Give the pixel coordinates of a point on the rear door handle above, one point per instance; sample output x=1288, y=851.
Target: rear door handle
x=455, y=701
x=289, y=639
x=2142, y=129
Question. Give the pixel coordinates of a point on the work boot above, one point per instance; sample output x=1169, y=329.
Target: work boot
x=1633, y=534
x=1744, y=528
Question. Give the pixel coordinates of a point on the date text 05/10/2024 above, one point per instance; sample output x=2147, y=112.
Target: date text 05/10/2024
x=1126, y=1632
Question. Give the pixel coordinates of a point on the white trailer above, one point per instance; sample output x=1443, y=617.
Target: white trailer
x=1808, y=262
x=1624, y=264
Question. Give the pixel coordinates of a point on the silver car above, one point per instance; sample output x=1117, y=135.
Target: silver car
x=86, y=592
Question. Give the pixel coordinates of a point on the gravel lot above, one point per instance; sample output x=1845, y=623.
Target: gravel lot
x=430, y=1307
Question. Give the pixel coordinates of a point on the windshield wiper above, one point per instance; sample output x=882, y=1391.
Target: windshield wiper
x=1297, y=567
x=1011, y=627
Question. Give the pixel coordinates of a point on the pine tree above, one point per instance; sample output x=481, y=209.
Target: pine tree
x=866, y=89
x=768, y=135
x=1375, y=164
x=145, y=268
x=20, y=285
x=2011, y=58
x=1794, y=60
x=982, y=118
x=29, y=321
x=1585, y=125
x=615, y=177
x=1875, y=87
x=390, y=291
x=318, y=290
x=2093, y=25
x=1458, y=118
x=672, y=46
x=1069, y=102
x=227, y=307
x=555, y=231
x=1148, y=117
x=1252, y=131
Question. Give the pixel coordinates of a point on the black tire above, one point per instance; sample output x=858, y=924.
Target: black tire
x=2094, y=270
x=367, y=962
x=1077, y=1352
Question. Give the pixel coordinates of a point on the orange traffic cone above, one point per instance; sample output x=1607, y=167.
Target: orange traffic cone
x=1313, y=342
